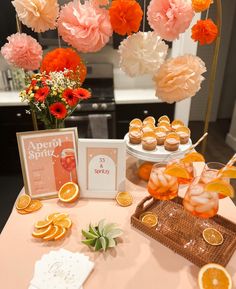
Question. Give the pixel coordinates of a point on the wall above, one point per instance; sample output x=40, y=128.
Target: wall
x=231, y=136
x=198, y=106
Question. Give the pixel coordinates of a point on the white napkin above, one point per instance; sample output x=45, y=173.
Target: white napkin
x=61, y=269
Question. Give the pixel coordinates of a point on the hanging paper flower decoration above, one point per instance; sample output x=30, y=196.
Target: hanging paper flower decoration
x=22, y=51
x=64, y=58
x=125, y=16
x=38, y=15
x=201, y=5
x=179, y=78
x=142, y=53
x=169, y=18
x=205, y=31
x=86, y=27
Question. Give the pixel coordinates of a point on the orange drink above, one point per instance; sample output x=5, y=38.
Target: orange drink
x=160, y=185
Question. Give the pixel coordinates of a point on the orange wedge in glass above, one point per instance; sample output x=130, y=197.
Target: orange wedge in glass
x=228, y=172
x=193, y=157
x=177, y=170
x=221, y=187
x=69, y=192
x=213, y=276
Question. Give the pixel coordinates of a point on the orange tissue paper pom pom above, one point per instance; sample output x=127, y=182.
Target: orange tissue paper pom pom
x=204, y=31
x=125, y=16
x=201, y=5
x=64, y=58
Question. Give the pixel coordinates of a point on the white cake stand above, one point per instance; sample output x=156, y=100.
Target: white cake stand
x=157, y=155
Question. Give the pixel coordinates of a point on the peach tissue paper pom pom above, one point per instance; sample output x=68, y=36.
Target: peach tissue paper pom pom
x=22, y=51
x=169, y=18
x=179, y=78
x=39, y=15
x=142, y=53
x=86, y=27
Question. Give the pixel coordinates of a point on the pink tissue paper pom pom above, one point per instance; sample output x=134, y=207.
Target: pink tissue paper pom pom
x=39, y=15
x=86, y=27
x=179, y=78
x=22, y=51
x=169, y=18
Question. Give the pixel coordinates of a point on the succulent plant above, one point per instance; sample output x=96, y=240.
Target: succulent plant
x=102, y=236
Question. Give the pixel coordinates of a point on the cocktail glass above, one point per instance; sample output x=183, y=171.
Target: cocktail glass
x=68, y=160
x=190, y=169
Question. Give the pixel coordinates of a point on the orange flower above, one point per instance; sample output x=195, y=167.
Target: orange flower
x=205, y=31
x=201, y=5
x=125, y=16
x=61, y=58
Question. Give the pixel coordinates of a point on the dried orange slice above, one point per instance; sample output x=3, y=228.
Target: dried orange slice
x=228, y=172
x=212, y=236
x=149, y=119
x=61, y=235
x=34, y=205
x=69, y=192
x=176, y=123
x=221, y=187
x=166, y=126
x=124, y=199
x=23, y=202
x=177, y=170
x=42, y=224
x=59, y=216
x=52, y=216
x=66, y=223
x=40, y=233
x=52, y=234
x=150, y=219
x=193, y=157
x=22, y=212
x=136, y=122
x=164, y=118
x=144, y=171
x=214, y=276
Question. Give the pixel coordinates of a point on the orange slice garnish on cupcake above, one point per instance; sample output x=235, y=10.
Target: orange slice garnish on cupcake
x=149, y=134
x=173, y=135
x=193, y=157
x=149, y=127
x=165, y=125
x=176, y=123
x=160, y=131
x=149, y=119
x=164, y=118
x=183, y=130
x=136, y=122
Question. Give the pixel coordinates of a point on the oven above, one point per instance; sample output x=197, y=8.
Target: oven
x=96, y=117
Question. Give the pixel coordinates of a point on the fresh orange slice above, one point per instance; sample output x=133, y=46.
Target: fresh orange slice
x=136, y=122
x=149, y=119
x=193, y=157
x=23, y=202
x=164, y=118
x=69, y=192
x=52, y=216
x=214, y=276
x=144, y=171
x=61, y=235
x=66, y=223
x=34, y=205
x=176, y=123
x=40, y=233
x=22, y=212
x=59, y=216
x=42, y=224
x=52, y=234
x=228, y=172
x=212, y=236
x=124, y=199
x=177, y=170
x=221, y=187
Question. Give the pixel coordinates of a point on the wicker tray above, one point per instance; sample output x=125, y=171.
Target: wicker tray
x=176, y=231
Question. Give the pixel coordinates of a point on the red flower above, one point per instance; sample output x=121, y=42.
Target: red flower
x=42, y=93
x=70, y=97
x=82, y=93
x=58, y=110
x=33, y=82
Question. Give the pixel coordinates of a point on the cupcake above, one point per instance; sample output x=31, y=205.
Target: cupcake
x=135, y=135
x=149, y=127
x=149, y=141
x=176, y=124
x=172, y=142
x=149, y=119
x=184, y=134
x=164, y=118
x=165, y=125
x=160, y=133
x=136, y=123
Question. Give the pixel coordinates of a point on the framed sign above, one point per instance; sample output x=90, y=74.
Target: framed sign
x=102, y=167
x=48, y=160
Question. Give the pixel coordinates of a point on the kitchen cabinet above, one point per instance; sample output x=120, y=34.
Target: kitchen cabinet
x=126, y=112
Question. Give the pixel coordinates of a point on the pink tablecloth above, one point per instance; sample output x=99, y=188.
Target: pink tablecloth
x=138, y=262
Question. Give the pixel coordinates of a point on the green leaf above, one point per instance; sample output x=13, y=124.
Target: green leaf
x=114, y=233
x=89, y=242
x=101, y=226
x=109, y=227
x=103, y=243
x=93, y=230
x=88, y=235
x=98, y=245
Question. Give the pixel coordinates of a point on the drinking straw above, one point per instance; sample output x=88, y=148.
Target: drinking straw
x=229, y=163
x=198, y=142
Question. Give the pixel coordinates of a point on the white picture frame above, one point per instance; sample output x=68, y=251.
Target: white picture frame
x=102, y=167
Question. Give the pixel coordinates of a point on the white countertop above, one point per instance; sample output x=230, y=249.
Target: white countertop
x=122, y=96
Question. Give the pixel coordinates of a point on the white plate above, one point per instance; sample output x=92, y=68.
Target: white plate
x=157, y=155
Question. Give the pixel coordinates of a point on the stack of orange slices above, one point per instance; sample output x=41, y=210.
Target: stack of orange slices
x=25, y=205
x=69, y=192
x=53, y=228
